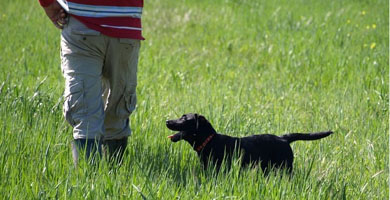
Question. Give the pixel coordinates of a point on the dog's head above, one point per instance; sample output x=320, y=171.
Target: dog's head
x=191, y=127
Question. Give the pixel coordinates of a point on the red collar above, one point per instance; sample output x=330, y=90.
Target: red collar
x=199, y=148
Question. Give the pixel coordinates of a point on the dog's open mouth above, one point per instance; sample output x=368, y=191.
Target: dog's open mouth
x=175, y=137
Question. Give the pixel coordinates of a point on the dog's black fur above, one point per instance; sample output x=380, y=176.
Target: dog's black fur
x=265, y=149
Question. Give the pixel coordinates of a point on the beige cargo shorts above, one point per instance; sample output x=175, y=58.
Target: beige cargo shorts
x=100, y=82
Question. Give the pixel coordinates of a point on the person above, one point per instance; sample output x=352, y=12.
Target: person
x=100, y=43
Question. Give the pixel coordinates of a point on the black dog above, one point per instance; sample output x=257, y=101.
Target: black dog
x=268, y=150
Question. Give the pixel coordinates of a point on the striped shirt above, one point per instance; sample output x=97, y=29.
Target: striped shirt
x=119, y=18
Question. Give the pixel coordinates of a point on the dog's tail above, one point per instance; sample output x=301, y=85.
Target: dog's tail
x=302, y=136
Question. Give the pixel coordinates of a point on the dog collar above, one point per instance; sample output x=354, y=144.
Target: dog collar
x=199, y=148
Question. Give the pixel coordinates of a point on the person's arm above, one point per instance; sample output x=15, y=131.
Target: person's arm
x=55, y=12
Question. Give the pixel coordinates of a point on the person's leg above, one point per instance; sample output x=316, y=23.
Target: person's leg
x=120, y=81
x=82, y=57
x=92, y=150
x=114, y=149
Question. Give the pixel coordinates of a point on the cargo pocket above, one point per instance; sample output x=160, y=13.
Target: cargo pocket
x=85, y=37
x=126, y=104
x=74, y=103
x=131, y=42
x=85, y=32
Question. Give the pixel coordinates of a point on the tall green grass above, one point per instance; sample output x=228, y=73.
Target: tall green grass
x=250, y=67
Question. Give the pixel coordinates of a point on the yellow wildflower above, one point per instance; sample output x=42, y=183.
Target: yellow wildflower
x=367, y=27
x=363, y=12
x=348, y=21
x=373, y=45
x=373, y=26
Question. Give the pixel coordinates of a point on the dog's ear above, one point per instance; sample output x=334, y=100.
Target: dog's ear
x=200, y=120
x=200, y=117
x=204, y=124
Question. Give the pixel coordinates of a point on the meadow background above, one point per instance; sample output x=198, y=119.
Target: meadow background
x=249, y=66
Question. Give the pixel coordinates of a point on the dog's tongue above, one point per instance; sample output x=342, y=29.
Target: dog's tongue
x=174, y=137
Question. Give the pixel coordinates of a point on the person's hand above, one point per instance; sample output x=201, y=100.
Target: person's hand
x=56, y=14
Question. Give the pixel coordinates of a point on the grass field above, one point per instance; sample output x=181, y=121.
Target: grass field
x=250, y=67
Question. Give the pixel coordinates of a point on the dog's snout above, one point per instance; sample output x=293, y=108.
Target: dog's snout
x=169, y=124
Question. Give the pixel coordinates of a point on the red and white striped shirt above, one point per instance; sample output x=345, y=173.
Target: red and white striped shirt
x=119, y=18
